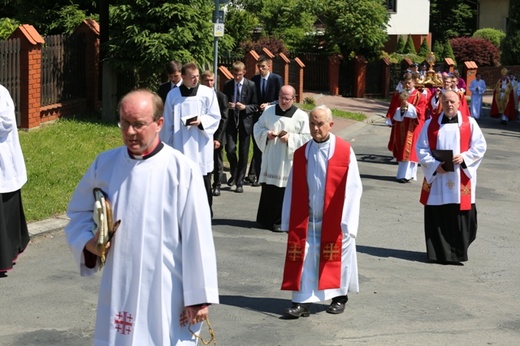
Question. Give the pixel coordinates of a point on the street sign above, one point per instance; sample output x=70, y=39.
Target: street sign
x=218, y=29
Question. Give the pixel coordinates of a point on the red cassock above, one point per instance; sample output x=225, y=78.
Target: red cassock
x=404, y=133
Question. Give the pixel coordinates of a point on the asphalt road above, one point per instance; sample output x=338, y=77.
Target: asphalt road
x=403, y=300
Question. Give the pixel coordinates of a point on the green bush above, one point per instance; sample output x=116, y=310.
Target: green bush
x=448, y=51
x=424, y=49
x=409, y=47
x=494, y=36
x=400, y=45
x=438, y=50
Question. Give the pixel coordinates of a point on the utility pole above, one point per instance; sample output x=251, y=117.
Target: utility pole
x=218, y=32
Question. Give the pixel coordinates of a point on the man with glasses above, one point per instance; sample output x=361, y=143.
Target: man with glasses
x=191, y=117
x=281, y=130
x=160, y=272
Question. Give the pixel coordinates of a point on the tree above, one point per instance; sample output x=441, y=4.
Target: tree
x=449, y=19
x=401, y=44
x=144, y=36
x=438, y=50
x=50, y=17
x=7, y=26
x=289, y=20
x=448, y=52
x=476, y=49
x=424, y=49
x=409, y=47
x=510, y=47
x=356, y=27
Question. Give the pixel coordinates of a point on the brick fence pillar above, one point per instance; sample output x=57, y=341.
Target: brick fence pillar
x=334, y=64
x=298, y=83
x=90, y=28
x=284, y=61
x=385, y=76
x=30, y=74
x=360, y=73
x=250, y=61
x=471, y=73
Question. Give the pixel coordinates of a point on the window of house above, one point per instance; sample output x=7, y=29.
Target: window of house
x=391, y=5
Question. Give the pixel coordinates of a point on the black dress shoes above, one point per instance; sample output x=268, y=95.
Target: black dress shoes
x=338, y=305
x=297, y=310
x=239, y=189
x=255, y=183
x=231, y=181
x=216, y=191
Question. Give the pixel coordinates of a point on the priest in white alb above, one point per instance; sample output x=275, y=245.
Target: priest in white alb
x=321, y=214
x=450, y=149
x=160, y=272
x=477, y=88
x=280, y=130
x=191, y=117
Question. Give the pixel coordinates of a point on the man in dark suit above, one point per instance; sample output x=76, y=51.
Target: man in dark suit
x=208, y=79
x=173, y=70
x=268, y=87
x=241, y=93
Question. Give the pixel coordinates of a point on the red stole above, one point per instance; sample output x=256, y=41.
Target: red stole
x=331, y=234
x=465, y=182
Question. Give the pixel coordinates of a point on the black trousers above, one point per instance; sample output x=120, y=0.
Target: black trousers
x=218, y=168
x=237, y=164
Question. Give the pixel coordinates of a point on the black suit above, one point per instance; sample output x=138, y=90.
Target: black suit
x=272, y=89
x=219, y=135
x=164, y=89
x=243, y=131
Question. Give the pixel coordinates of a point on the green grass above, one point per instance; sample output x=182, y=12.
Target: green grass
x=336, y=112
x=56, y=157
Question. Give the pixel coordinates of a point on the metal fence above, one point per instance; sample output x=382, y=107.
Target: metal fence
x=10, y=71
x=63, y=67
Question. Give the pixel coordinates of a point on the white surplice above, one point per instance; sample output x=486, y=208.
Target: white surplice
x=318, y=155
x=277, y=156
x=13, y=174
x=194, y=142
x=445, y=187
x=162, y=257
x=477, y=88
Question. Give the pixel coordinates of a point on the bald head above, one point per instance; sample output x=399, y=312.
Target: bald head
x=450, y=103
x=286, y=97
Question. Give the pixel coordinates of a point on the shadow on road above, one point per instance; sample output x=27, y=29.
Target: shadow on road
x=414, y=256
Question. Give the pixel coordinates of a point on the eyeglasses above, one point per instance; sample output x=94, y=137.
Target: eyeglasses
x=137, y=126
x=286, y=99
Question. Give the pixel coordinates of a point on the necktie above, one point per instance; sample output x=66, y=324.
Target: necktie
x=238, y=94
x=264, y=82
x=174, y=86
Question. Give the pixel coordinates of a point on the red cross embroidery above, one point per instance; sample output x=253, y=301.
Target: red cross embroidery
x=123, y=322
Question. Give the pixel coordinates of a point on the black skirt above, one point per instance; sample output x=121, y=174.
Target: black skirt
x=449, y=231
x=270, y=206
x=14, y=235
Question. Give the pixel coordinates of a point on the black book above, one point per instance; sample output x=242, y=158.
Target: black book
x=445, y=156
